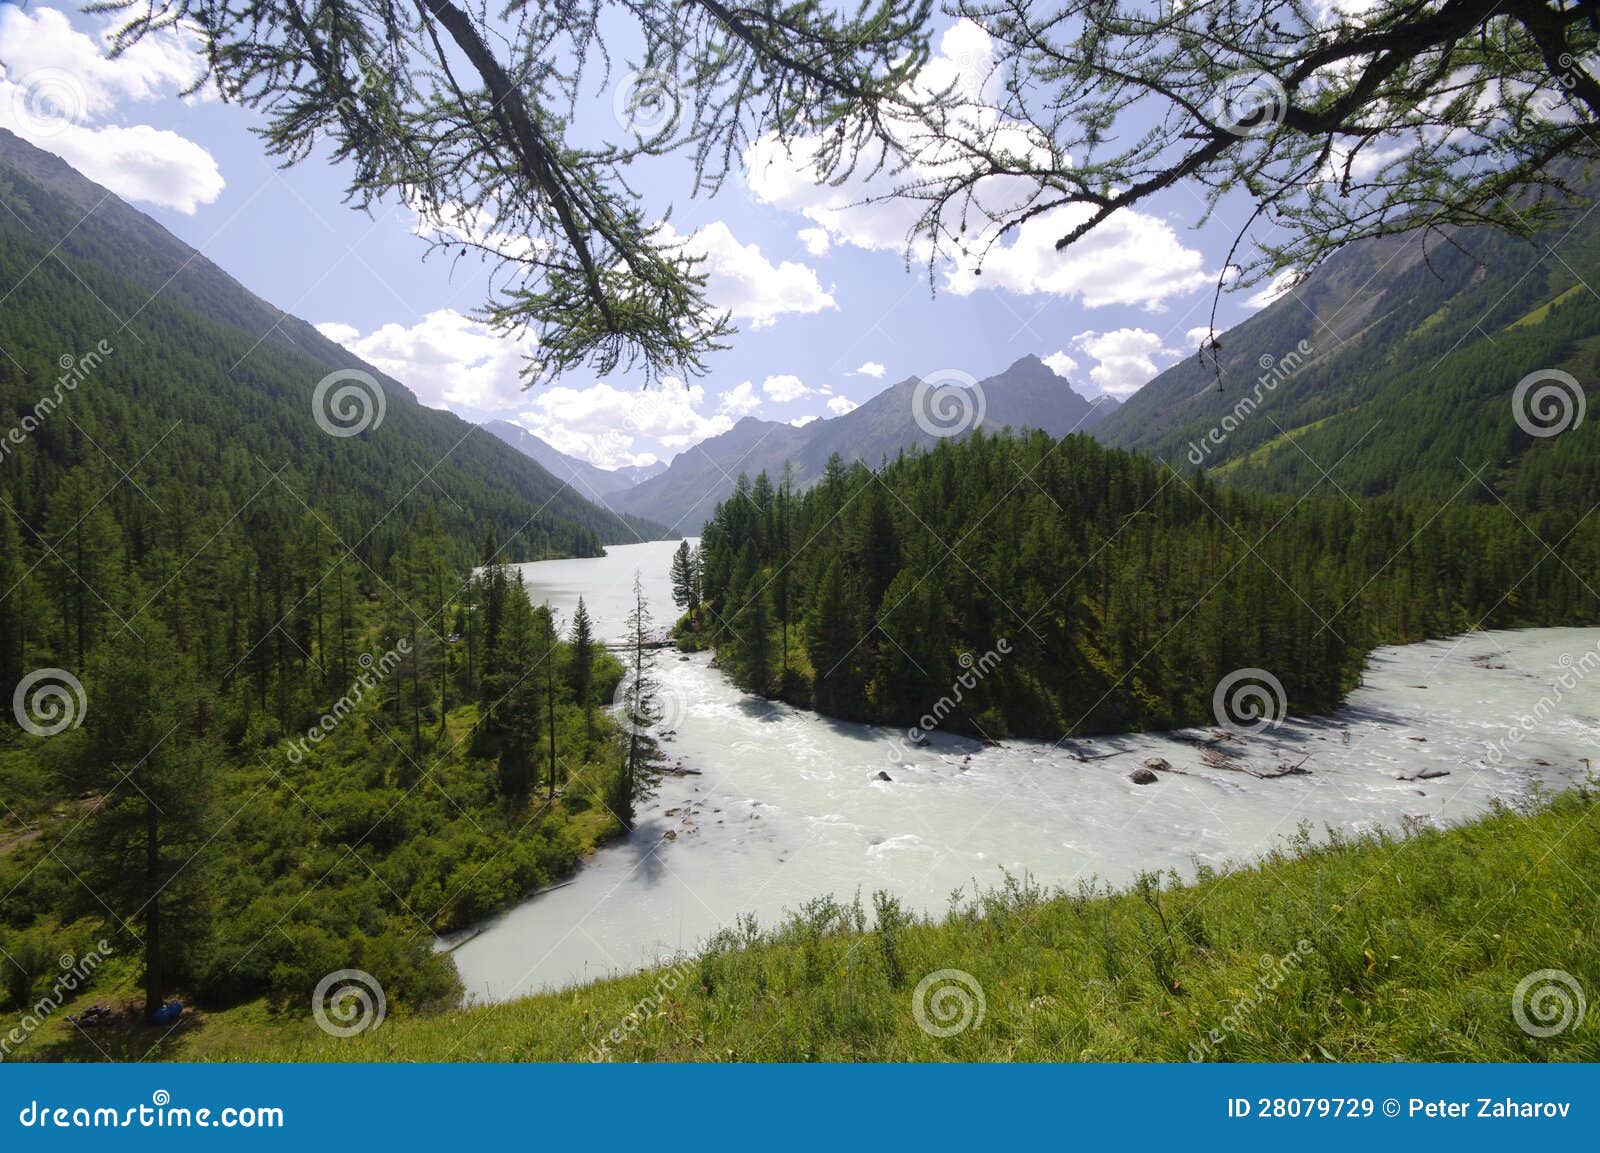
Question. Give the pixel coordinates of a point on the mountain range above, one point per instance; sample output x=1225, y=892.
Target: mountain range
x=590, y=480
x=1394, y=368
x=903, y=416
x=256, y=361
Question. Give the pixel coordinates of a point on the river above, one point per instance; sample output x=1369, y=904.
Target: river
x=789, y=804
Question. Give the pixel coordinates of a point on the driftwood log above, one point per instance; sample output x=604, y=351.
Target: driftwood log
x=1216, y=759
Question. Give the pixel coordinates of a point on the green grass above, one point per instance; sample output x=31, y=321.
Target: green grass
x=1259, y=455
x=1409, y=947
x=1538, y=315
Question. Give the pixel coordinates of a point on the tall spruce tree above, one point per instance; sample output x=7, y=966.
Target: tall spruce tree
x=151, y=772
x=512, y=704
x=636, y=782
x=580, y=666
x=548, y=675
x=685, y=591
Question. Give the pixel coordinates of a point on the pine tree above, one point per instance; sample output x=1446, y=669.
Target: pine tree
x=20, y=606
x=512, y=703
x=683, y=582
x=639, y=713
x=580, y=668
x=143, y=756
x=752, y=623
x=783, y=567
x=830, y=645
x=85, y=557
x=547, y=643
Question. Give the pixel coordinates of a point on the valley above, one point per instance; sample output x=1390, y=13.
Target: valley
x=550, y=628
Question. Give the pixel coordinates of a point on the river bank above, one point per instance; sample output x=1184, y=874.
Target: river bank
x=1438, y=946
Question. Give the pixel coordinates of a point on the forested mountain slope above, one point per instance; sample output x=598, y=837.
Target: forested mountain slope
x=232, y=378
x=260, y=726
x=1394, y=367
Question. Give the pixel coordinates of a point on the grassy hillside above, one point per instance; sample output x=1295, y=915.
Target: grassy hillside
x=1384, y=948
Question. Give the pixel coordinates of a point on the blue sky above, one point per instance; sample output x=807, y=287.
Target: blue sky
x=827, y=311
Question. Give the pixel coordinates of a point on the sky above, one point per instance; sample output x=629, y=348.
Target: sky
x=827, y=311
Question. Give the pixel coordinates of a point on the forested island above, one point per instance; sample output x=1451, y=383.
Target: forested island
x=1124, y=589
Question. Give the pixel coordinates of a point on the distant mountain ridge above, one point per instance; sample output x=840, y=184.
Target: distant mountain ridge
x=589, y=481
x=906, y=415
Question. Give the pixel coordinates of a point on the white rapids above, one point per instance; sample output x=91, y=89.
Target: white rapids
x=789, y=805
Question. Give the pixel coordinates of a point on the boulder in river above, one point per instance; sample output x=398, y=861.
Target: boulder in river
x=1159, y=764
x=883, y=776
x=1142, y=776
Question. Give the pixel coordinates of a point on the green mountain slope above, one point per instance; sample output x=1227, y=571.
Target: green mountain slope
x=228, y=382
x=1395, y=370
x=294, y=737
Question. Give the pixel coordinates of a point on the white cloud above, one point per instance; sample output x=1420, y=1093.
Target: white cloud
x=1195, y=337
x=164, y=61
x=1270, y=292
x=455, y=362
x=816, y=240
x=1128, y=358
x=784, y=388
x=802, y=421
x=871, y=368
x=840, y=405
x=604, y=425
x=452, y=361
x=456, y=223
x=1132, y=258
x=447, y=359
x=339, y=333
x=58, y=87
x=740, y=400
x=1374, y=157
x=1061, y=364
x=747, y=284
x=783, y=176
